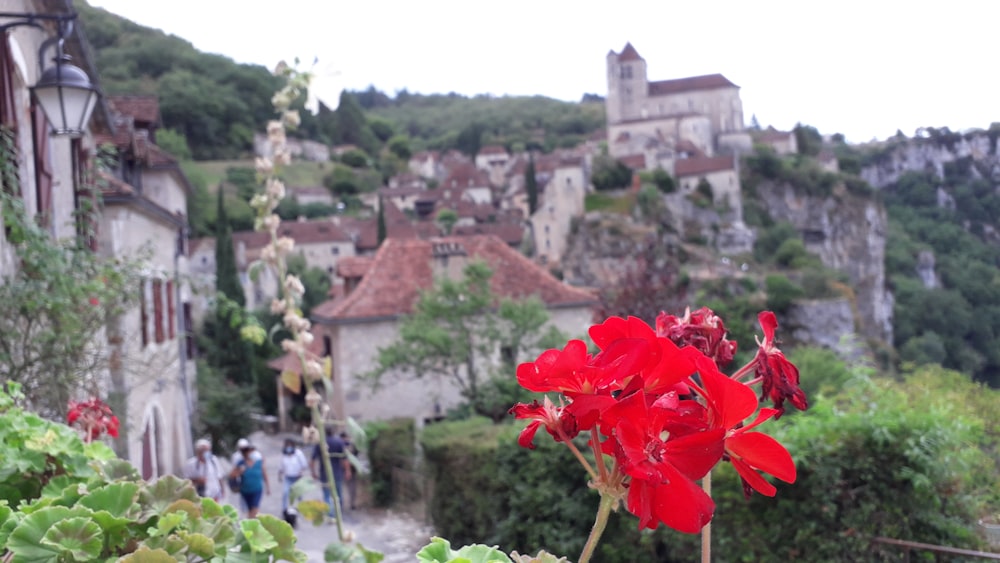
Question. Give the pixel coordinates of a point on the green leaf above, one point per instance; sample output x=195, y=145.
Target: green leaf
x=80, y=538
x=284, y=537
x=156, y=498
x=146, y=555
x=313, y=510
x=260, y=539
x=337, y=552
x=25, y=541
x=439, y=551
x=199, y=544
x=117, y=498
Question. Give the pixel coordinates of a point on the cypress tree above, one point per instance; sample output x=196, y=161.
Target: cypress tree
x=382, y=231
x=229, y=354
x=531, y=185
x=227, y=279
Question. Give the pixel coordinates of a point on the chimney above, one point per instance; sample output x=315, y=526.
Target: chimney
x=449, y=259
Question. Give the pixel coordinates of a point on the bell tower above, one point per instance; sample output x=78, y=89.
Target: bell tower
x=627, y=85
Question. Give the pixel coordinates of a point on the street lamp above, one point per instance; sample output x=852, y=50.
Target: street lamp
x=64, y=91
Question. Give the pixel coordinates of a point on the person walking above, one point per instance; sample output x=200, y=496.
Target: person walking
x=293, y=466
x=249, y=467
x=204, y=471
x=350, y=472
x=335, y=448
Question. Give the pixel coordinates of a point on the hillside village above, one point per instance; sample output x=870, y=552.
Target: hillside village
x=691, y=128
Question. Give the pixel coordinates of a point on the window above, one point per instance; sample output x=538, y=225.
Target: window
x=188, y=330
x=171, y=326
x=158, y=310
x=327, y=346
x=335, y=250
x=43, y=165
x=143, y=313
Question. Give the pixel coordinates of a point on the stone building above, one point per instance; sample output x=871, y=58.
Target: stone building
x=352, y=328
x=704, y=110
x=142, y=350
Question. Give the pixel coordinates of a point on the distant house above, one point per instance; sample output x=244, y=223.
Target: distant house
x=353, y=327
x=494, y=160
x=783, y=142
x=309, y=195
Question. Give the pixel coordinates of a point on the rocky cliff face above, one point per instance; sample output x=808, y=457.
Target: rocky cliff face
x=848, y=233
x=602, y=247
x=933, y=154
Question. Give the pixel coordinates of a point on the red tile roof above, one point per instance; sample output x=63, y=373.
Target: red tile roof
x=492, y=149
x=145, y=109
x=629, y=54
x=510, y=233
x=402, y=269
x=354, y=266
x=692, y=83
x=702, y=165
x=634, y=161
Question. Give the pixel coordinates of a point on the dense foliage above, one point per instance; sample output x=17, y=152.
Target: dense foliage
x=210, y=101
x=64, y=500
x=945, y=226
x=912, y=461
x=392, y=454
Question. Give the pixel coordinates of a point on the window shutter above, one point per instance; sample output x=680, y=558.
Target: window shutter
x=43, y=165
x=158, y=310
x=171, y=313
x=143, y=313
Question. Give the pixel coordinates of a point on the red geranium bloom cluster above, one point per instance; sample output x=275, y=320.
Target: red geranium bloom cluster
x=660, y=413
x=94, y=417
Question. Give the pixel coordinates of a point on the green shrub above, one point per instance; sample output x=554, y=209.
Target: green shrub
x=467, y=498
x=392, y=447
x=781, y=292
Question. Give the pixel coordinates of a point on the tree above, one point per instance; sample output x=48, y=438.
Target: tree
x=226, y=351
x=382, y=230
x=52, y=307
x=456, y=330
x=531, y=185
x=447, y=218
x=610, y=174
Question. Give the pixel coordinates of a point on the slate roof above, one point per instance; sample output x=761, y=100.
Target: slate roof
x=689, y=84
x=702, y=165
x=629, y=53
x=403, y=268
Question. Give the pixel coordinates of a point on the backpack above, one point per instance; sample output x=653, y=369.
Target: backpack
x=234, y=483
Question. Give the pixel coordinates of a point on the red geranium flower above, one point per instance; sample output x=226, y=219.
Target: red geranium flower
x=662, y=365
x=663, y=467
x=730, y=403
x=779, y=377
x=94, y=417
x=557, y=422
x=702, y=330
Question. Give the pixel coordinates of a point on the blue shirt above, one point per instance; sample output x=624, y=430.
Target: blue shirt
x=253, y=475
x=336, y=448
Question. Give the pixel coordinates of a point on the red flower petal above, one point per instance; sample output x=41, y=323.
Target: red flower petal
x=764, y=453
x=731, y=401
x=753, y=479
x=527, y=436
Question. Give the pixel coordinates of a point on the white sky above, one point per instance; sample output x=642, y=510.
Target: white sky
x=862, y=68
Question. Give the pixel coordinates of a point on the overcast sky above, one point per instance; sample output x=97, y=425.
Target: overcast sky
x=862, y=68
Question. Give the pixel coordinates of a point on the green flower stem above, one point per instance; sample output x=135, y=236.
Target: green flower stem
x=706, y=532
x=579, y=456
x=595, y=444
x=607, y=502
x=328, y=466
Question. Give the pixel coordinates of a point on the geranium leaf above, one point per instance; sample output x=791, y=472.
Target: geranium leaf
x=81, y=538
x=440, y=551
x=25, y=541
x=117, y=498
x=165, y=491
x=200, y=544
x=146, y=555
x=260, y=539
x=312, y=510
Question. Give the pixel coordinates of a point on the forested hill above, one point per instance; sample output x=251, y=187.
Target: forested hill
x=217, y=104
x=214, y=102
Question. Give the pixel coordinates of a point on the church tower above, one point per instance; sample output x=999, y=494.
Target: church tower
x=627, y=85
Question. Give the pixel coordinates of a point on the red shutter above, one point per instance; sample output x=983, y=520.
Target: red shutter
x=158, y=310
x=43, y=165
x=171, y=327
